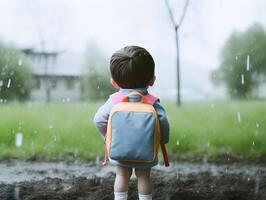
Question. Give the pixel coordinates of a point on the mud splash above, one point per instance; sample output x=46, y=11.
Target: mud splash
x=26, y=180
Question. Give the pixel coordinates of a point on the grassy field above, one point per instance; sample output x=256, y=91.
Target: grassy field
x=57, y=130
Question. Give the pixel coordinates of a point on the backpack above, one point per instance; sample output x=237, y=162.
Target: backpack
x=133, y=130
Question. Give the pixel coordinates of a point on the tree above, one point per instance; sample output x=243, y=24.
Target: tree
x=176, y=26
x=50, y=23
x=95, y=83
x=16, y=80
x=243, y=62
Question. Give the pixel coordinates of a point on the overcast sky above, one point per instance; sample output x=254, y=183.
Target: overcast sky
x=69, y=25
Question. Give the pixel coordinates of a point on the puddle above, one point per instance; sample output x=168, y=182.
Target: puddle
x=47, y=180
x=27, y=171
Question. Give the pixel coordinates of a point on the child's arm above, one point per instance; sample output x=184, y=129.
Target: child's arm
x=101, y=117
x=164, y=125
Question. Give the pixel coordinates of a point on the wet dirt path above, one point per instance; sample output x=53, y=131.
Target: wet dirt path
x=47, y=180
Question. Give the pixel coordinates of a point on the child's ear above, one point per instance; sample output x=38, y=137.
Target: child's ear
x=114, y=84
x=151, y=82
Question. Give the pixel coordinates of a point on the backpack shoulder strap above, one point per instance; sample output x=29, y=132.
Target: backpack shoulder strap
x=151, y=99
x=119, y=96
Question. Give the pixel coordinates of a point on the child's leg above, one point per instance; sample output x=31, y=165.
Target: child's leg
x=123, y=175
x=144, y=184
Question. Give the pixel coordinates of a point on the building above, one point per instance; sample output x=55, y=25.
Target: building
x=57, y=76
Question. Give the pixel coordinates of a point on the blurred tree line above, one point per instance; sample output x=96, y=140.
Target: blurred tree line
x=95, y=79
x=242, y=69
x=243, y=62
x=16, y=79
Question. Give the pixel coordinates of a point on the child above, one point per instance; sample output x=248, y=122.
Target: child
x=132, y=70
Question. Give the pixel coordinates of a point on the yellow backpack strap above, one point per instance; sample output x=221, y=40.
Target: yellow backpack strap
x=104, y=163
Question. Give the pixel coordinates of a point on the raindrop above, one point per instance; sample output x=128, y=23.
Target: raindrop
x=67, y=99
x=212, y=187
x=76, y=153
x=20, y=62
x=8, y=83
x=257, y=125
x=98, y=159
x=177, y=142
x=67, y=187
x=212, y=106
x=32, y=146
x=1, y=83
x=54, y=187
x=253, y=143
x=236, y=57
x=242, y=79
x=16, y=193
x=257, y=185
x=238, y=117
x=19, y=139
x=208, y=143
x=248, y=179
x=1, y=100
x=50, y=126
x=205, y=159
x=248, y=63
x=98, y=87
x=55, y=138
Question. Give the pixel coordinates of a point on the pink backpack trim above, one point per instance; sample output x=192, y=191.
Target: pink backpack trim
x=119, y=96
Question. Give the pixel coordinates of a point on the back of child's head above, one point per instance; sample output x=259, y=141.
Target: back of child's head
x=132, y=67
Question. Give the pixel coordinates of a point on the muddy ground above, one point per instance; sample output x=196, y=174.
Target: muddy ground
x=181, y=181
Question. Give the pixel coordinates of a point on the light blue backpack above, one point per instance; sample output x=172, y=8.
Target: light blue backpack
x=133, y=131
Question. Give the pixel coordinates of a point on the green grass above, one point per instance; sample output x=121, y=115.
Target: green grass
x=215, y=129
x=56, y=130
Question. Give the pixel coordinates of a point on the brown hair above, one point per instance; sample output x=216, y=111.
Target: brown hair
x=132, y=67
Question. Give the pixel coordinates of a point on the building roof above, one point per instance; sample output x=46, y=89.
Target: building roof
x=63, y=63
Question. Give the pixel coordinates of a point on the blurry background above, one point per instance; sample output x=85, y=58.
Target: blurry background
x=58, y=52
x=68, y=29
